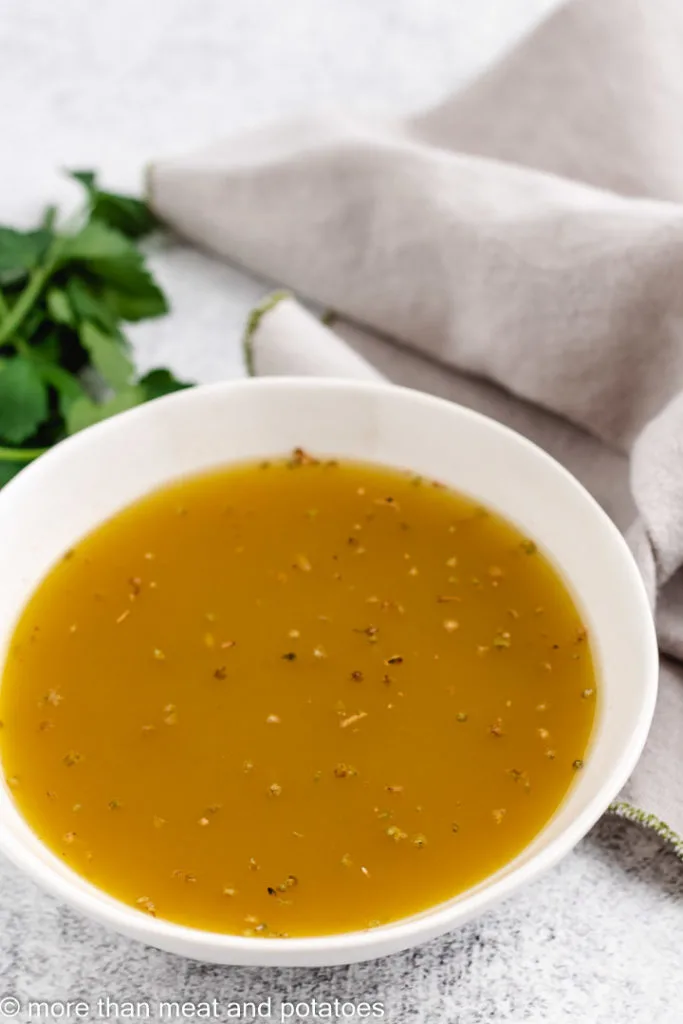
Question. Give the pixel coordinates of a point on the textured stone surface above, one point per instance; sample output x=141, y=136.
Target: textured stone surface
x=597, y=941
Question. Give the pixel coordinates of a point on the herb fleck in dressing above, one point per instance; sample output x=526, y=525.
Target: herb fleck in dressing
x=323, y=747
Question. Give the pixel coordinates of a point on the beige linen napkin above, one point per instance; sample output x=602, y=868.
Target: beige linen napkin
x=528, y=231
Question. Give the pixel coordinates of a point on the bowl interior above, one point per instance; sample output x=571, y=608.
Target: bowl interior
x=88, y=478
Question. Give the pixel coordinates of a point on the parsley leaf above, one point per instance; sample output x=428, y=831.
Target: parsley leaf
x=59, y=307
x=66, y=385
x=108, y=356
x=86, y=178
x=86, y=303
x=20, y=252
x=131, y=292
x=158, y=383
x=128, y=215
x=97, y=241
x=7, y=471
x=23, y=399
x=85, y=412
x=65, y=295
x=126, y=286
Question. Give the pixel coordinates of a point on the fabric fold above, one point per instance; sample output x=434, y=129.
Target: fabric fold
x=527, y=231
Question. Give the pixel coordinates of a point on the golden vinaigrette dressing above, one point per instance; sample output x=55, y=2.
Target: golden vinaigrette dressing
x=295, y=698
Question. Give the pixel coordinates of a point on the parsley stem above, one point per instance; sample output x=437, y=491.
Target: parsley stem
x=36, y=282
x=20, y=454
x=21, y=347
x=49, y=217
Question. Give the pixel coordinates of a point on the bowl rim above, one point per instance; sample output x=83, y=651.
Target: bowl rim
x=343, y=947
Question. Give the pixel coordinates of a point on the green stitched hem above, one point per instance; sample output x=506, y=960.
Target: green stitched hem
x=329, y=318
x=622, y=809
x=252, y=323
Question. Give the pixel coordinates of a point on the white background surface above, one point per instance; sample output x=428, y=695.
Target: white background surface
x=112, y=84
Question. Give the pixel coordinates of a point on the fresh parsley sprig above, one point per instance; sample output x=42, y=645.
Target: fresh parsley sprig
x=65, y=292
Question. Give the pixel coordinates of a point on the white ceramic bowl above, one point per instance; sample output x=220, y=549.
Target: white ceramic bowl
x=86, y=479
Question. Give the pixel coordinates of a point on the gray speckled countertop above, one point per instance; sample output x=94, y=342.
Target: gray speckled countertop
x=110, y=85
